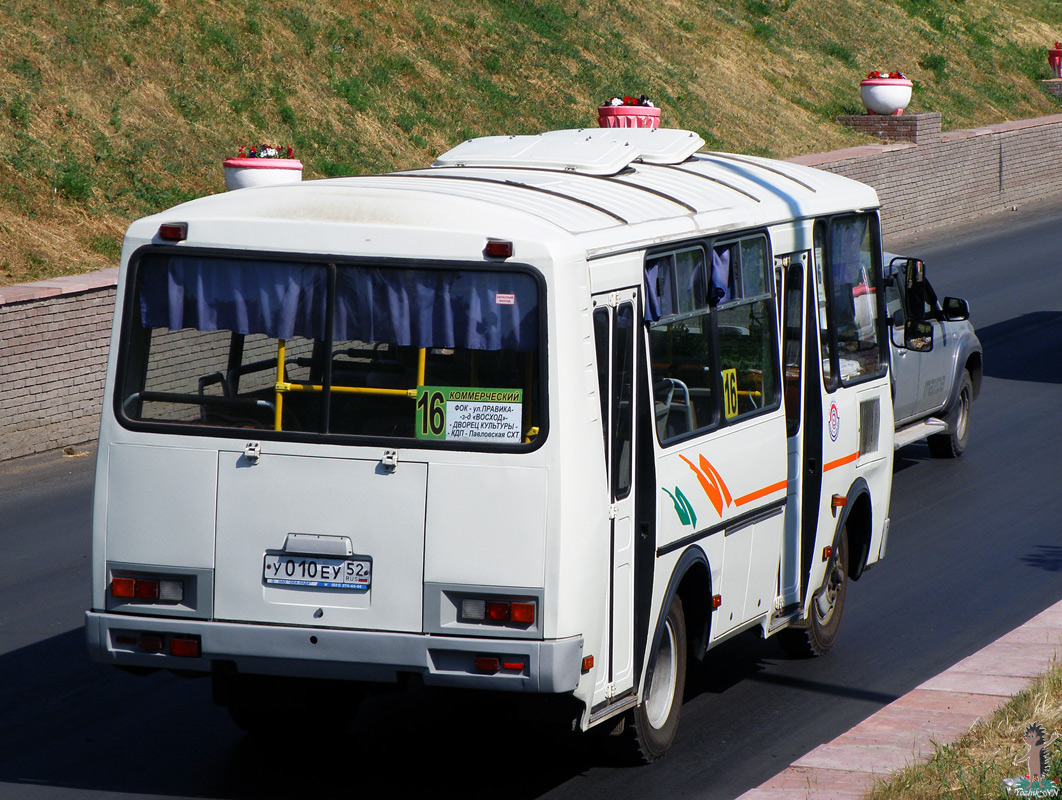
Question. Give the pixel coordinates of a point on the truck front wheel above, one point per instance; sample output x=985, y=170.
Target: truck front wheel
x=952, y=443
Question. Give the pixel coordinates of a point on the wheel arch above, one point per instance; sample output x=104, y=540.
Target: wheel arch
x=691, y=580
x=858, y=515
x=975, y=366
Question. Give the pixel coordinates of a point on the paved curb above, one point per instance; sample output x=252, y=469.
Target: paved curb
x=940, y=710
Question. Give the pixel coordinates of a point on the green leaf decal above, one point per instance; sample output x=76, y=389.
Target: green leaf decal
x=683, y=507
x=689, y=506
x=680, y=508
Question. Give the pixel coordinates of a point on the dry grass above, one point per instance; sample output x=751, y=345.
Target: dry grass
x=112, y=109
x=973, y=767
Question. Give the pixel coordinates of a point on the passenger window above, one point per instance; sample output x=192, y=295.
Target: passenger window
x=744, y=319
x=680, y=342
x=683, y=397
x=692, y=356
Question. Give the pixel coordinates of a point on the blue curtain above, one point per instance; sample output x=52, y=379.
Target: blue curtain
x=416, y=307
x=438, y=308
x=278, y=299
x=660, y=280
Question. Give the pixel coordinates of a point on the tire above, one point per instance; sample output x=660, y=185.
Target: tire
x=819, y=631
x=654, y=722
x=953, y=443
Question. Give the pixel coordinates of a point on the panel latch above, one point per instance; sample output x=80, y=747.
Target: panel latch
x=252, y=451
x=390, y=460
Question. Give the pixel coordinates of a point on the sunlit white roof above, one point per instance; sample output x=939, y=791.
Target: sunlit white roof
x=599, y=189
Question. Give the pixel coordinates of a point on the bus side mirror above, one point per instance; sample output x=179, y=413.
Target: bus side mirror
x=918, y=335
x=955, y=309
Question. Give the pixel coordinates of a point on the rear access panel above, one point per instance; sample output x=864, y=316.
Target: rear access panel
x=323, y=542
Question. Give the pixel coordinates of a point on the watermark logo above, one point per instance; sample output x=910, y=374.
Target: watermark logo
x=1036, y=783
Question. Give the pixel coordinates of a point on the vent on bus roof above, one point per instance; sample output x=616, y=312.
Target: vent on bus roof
x=590, y=151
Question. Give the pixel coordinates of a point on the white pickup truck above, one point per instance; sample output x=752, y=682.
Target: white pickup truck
x=936, y=360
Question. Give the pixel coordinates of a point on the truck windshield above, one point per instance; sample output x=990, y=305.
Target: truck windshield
x=332, y=349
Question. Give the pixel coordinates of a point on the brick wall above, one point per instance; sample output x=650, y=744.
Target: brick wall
x=964, y=174
x=53, y=357
x=54, y=334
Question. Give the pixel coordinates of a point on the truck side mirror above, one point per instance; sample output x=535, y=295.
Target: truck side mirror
x=956, y=309
x=915, y=284
x=918, y=335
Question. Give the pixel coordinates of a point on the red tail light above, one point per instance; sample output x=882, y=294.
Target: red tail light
x=173, y=231
x=123, y=587
x=185, y=647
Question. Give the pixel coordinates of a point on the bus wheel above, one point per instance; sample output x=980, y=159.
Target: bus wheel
x=819, y=630
x=655, y=721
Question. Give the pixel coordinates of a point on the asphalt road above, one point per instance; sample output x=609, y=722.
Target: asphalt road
x=974, y=551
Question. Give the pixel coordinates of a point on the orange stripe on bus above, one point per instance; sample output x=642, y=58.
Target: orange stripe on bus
x=840, y=462
x=766, y=490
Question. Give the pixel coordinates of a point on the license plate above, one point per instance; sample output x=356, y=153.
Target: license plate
x=327, y=573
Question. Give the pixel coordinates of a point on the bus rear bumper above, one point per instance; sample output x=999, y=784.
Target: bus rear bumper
x=520, y=665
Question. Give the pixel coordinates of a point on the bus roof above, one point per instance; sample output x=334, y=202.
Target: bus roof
x=608, y=188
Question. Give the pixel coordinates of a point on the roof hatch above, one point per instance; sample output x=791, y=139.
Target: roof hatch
x=590, y=151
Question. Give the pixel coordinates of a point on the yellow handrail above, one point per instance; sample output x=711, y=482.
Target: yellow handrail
x=279, y=395
x=282, y=386
x=288, y=386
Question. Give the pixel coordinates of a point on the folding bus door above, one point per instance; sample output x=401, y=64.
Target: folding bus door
x=615, y=326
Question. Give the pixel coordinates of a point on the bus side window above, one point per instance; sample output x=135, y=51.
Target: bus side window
x=745, y=322
x=680, y=343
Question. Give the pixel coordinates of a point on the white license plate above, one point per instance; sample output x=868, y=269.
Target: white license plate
x=328, y=573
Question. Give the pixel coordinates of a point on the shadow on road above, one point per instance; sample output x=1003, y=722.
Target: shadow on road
x=1044, y=556
x=90, y=727
x=1024, y=348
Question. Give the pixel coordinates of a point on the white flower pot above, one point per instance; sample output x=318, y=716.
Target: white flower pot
x=886, y=96
x=244, y=173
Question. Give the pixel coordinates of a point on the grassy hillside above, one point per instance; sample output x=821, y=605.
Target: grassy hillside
x=112, y=109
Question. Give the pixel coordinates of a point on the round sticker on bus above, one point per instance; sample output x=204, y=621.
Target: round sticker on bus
x=834, y=423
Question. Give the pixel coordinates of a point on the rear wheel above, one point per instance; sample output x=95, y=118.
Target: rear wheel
x=953, y=443
x=655, y=721
x=819, y=631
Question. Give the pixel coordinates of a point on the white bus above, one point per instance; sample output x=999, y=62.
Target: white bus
x=553, y=416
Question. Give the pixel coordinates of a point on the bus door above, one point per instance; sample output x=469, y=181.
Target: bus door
x=615, y=326
x=792, y=272
x=842, y=350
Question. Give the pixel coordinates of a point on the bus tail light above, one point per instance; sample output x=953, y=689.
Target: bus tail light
x=496, y=610
x=496, y=248
x=123, y=587
x=523, y=612
x=494, y=664
x=184, y=646
x=173, y=231
x=151, y=589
